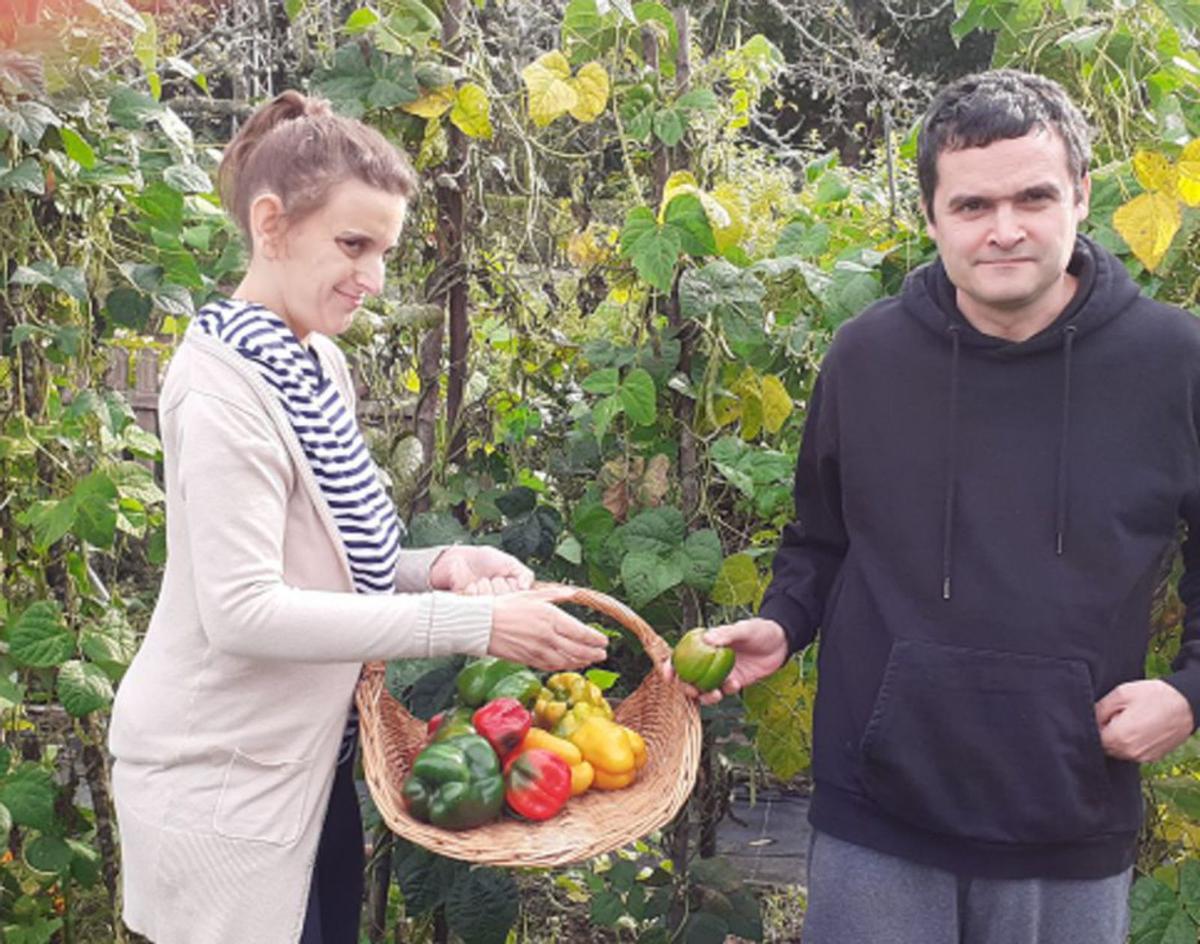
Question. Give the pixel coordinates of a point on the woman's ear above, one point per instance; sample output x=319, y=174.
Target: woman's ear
x=267, y=225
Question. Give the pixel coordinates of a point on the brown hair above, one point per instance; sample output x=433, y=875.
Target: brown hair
x=296, y=148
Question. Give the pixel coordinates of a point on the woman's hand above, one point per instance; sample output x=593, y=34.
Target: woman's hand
x=528, y=628
x=476, y=570
x=760, y=646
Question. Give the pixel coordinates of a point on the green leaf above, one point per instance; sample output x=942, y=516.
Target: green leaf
x=646, y=575
x=702, y=559
x=602, y=678
x=654, y=250
x=482, y=906
x=163, y=206
x=50, y=520
x=533, y=536
x=685, y=213
x=517, y=501
x=25, y=176
x=28, y=120
x=110, y=642
x=83, y=688
x=638, y=397
x=799, y=239
x=669, y=126
x=293, y=8
x=39, y=637
x=432, y=528
x=187, y=178
x=128, y=307
x=471, y=112
x=831, y=188
x=592, y=524
x=703, y=927
x=737, y=582
x=76, y=148
x=655, y=531
x=699, y=99
x=604, y=381
x=131, y=109
x=781, y=707
x=48, y=854
x=361, y=20
x=607, y=908
x=603, y=413
x=424, y=877
x=85, y=863
x=720, y=284
x=96, y=509
x=28, y=793
x=134, y=480
x=1189, y=886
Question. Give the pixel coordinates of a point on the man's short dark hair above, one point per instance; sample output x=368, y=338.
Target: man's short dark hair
x=977, y=110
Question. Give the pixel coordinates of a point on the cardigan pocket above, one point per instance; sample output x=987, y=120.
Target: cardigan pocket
x=262, y=801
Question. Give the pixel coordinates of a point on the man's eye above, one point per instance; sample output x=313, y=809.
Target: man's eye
x=352, y=244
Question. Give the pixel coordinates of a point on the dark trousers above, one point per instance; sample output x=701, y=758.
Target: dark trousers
x=335, y=897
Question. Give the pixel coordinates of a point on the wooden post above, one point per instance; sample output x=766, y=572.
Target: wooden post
x=451, y=216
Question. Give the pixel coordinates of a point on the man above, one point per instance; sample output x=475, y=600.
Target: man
x=994, y=465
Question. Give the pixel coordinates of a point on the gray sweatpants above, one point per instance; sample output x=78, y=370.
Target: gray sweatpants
x=860, y=896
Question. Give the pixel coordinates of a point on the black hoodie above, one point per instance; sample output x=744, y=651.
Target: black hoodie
x=980, y=525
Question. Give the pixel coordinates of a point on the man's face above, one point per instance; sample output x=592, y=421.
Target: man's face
x=1004, y=220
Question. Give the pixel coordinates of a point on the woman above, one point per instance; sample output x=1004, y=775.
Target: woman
x=233, y=767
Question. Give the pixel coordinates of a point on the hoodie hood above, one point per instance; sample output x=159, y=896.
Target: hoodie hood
x=1104, y=291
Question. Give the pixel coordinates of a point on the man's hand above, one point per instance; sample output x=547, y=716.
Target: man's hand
x=475, y=570
x=760, y=646
x=1143, y=721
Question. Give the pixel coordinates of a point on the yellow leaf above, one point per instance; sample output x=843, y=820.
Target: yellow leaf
x=682, y=181
x=412, y=382
x=733, y=201
x=1148, y=223
x=591, y=86
x=1188, y=184
x=471, y=113
x=584, y=251
x=1154, y=171
x=777, y=403
x=432, y=104
x=550, y=93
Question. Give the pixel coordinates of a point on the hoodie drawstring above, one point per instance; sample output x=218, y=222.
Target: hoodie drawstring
x=1060, y=494
x=951, y=466
x=1060, y=491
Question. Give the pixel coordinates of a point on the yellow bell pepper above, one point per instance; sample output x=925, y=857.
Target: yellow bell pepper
x=575, y=716
x=616, y=752
x=582, y=772
x=562, y=692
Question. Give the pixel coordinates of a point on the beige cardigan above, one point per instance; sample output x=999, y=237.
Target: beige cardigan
x=226, y=727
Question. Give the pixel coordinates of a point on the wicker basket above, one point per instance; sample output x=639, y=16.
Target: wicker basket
x=596, y=822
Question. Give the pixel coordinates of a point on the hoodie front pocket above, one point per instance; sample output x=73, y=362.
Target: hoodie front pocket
x=262, y=801
x=991, y=746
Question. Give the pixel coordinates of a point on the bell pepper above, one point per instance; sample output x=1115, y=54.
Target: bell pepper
x=489, y=678
x=574, y=717
x=449, y=723
x=615, y=751
x=455, y=784
x=698, y=663
x=563, y=691
x=537, y=783
x=582, y=773
x=504, y=723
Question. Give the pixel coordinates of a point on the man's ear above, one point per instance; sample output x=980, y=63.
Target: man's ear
x=1085, y=195
x=267, y=225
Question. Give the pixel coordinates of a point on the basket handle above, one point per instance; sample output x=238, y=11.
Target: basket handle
x=656, y=647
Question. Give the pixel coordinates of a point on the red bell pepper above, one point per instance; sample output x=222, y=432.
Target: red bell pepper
x=504, y=722
x=537, y=783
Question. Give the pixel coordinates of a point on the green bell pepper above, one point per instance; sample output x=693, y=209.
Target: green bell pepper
x=455, y=784
x=699, y=664
x=490, y=678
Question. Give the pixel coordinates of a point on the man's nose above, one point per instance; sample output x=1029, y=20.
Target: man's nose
x=1007, y=228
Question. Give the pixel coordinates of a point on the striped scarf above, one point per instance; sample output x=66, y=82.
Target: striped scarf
x=366, y=519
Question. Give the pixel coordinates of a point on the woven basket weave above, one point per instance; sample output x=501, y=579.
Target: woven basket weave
x=596, y=822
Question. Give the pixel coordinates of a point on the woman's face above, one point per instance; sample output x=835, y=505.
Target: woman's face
x=322, y=267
